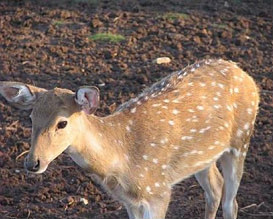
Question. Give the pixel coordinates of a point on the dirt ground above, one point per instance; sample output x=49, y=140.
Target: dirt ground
x=47, y=43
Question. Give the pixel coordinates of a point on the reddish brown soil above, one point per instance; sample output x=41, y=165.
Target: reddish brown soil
x=46, y=43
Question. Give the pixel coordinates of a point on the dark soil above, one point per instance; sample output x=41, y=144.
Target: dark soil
x=46, y=43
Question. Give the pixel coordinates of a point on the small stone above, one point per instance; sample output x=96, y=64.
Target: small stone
x=162, y=60
x=84, y=201
x=101, y=84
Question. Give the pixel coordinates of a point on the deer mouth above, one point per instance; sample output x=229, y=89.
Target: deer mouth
x=36, y=166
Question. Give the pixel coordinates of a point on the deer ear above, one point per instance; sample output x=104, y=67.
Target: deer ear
x=88, y=98
x=20, y=95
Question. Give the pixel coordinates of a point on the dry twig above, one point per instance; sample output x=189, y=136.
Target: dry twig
x=20, y=155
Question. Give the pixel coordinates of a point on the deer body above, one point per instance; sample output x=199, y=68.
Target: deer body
x=177, y=128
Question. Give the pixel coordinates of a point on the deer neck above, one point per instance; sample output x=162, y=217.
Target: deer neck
x=99, y=145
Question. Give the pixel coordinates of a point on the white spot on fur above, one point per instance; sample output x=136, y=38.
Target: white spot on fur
x=157, y=184
x=186, y=138
x=229, y=108
x=200, y=107
x=226, y=124
x=239, y=133
x=145, y=157
x=246, y=126
x=171, y=122
x=221, y=85
x=175, y=111
x=236, y=90
x=133, y=110
x=164, y=166
x=164, y=140
x=156, y=105
x=128, y=128
x=176, y=147
x=230, y=90
x=199, y=163
x=153, y=144
x=223, y=71
x=204, y=129
x=249, y=111
x=148, y=189
x=176, y=101
x=215, y=98
x=155, y=160
x=218, y=94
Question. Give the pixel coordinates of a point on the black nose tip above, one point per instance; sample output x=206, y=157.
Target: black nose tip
x=32, y=166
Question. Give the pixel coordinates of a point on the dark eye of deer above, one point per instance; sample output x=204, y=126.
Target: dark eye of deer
x=62, y=125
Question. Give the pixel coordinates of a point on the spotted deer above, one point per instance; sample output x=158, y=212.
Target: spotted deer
x=179, y=127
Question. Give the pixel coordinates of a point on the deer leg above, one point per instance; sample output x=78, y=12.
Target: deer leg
x=155, y=208
x=211, y=181
x=133, y=211
x=160, y=205
x=232, y=167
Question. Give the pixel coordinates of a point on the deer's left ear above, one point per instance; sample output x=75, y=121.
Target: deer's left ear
x=22, y=96
x=88, y=98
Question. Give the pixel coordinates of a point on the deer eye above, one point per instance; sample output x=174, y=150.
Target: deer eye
x=62, y=125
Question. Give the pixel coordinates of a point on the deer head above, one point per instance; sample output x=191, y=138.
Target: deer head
x=54, y=118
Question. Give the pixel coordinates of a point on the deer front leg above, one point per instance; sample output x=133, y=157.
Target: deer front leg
x=211, y=181
x=155, y=208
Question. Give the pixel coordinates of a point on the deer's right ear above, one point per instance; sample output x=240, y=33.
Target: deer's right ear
x=88, y=98
x=20, y=95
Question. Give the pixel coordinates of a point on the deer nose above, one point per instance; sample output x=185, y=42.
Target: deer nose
x=32, y=165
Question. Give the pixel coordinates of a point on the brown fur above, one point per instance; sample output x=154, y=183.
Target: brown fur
x=177, y=128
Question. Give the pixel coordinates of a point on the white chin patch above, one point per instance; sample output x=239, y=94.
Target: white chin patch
x=41, y=170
